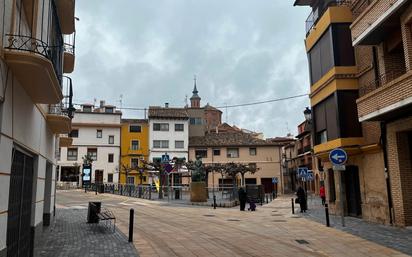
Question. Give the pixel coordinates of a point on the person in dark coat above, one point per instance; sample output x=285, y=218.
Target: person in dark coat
x=302, y=199
x=242, y=198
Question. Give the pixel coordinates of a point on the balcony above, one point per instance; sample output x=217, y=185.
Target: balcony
x=69, y=53
x=376, y=20
x=386, y=98
x=36, y=60
x=65, y=10
x=318, y=12
x=65, y=140
x=59, y=116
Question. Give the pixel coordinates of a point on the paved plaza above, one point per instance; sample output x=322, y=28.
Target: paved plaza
x=169, y=229
x=70, y=235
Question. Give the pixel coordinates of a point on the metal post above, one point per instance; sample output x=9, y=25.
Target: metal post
x=267, y=199
x=293, y=206
x=95, y=186
x=327, y=215
x=342, y=204
x=131, y=221
x=214, y=202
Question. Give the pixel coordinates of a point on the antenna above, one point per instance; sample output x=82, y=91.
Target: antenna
x=227, y=120
x=186, y=103
x=121, y=100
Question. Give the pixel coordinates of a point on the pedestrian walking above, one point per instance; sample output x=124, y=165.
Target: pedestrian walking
x=252, y=205
x=301, y=194
x=242, y=198
x=322, y=194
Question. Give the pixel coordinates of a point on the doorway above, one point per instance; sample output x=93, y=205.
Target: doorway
x=19, y=240
x=98, y=177
x=267, y=185
x=352, y=188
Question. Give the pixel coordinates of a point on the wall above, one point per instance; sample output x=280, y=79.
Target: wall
x=170, y=135
x=267, y=160
x=197, y=130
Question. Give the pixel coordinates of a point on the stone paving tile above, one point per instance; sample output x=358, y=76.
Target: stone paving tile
x=70, y=236
x=392, y=237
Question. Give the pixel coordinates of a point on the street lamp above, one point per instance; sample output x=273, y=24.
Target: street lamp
x=308, y=114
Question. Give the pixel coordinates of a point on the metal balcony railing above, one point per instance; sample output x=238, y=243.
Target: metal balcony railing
x=383, y=79
x=65, y=107
x=70, y=43
x=49, y=42
x=318, y=11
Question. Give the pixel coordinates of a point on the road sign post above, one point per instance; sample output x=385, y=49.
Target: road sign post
x=338, y=158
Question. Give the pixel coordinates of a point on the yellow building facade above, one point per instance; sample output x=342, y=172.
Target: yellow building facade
x=134, y=149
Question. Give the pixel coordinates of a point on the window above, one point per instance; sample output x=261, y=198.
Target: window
x=233, y=153
x=334, y=48
x=160, y=144
x=59, y=154
x=87, y=108
x=111, y=158
x=216, y=152
x=72, y=154
x=111, y=140
x=179, y=144
x=74, y=133
x=160, y=127
x=196, y=121
x=92, y=152
x=110, y=178
x=99, y=133
x=109, y=109
x=135, y=128
x=179, y=127
x=252, y=151
x=134, y=163
x=135, y=145
x=336, y=117
x=130, y=180
x=201, y=152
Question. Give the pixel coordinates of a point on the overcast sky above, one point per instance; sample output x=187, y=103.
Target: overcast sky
x=240, y=50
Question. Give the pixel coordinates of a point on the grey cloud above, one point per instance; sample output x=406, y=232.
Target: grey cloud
x=242, y=51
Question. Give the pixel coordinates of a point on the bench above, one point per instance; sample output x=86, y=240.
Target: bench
x=106, y=215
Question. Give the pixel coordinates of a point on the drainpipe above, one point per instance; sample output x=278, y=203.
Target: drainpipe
x=387, y=178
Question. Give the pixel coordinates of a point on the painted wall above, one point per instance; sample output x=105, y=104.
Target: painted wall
x=171, y=136
x=267, y=159
x=127, y=153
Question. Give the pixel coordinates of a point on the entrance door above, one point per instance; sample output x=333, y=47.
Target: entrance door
x=353, y=198
x=19, y=213
x=267, y=185
x=98, y=177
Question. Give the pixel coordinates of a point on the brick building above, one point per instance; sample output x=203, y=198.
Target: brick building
x=381, y=34
x=337, y=71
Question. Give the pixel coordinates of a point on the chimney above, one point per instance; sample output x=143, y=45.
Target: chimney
x=102, y=103
x=166, y=105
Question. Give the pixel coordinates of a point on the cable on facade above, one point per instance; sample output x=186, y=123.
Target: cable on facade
x=222, y=107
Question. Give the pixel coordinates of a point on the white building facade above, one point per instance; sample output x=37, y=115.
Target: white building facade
x=35, y=107
x=168, y=133
x=95, y=132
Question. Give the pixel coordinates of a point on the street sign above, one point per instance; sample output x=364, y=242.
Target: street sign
x=338, y=156
x=339, y=167
x=309, y=176
x=165, y=158
x=168, y=168
x=274, y=180
x=302, y=172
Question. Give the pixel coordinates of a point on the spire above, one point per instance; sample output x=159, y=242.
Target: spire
x=195, y=99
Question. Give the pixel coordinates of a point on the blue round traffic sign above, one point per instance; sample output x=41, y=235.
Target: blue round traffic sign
x=338, y=156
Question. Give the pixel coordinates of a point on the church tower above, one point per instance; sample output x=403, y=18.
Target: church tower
x=195, y=99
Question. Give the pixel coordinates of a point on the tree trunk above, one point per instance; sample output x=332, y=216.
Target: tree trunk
x=243, y=179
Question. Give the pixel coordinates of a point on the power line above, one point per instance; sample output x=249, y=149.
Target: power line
x=221, y=107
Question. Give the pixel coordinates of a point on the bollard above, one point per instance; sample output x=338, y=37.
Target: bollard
x=271, y=197
x=327, y=215
x=293, y=206
x=131, y=220
x=95, y=186
x=214, y=202
x=267, y=199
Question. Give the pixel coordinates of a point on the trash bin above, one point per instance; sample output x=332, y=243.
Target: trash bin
x=177, y=193
x=92, y=211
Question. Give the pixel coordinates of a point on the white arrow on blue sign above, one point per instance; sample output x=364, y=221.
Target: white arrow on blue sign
x=338, y=156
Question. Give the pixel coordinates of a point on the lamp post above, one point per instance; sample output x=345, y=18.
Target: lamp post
x=308, y=117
